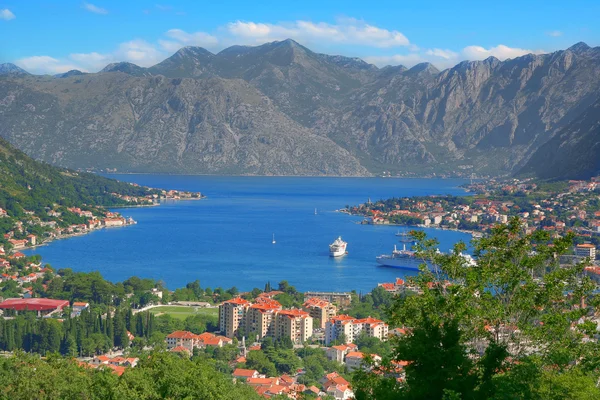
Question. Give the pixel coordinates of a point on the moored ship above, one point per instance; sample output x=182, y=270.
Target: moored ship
x=407, y=259
x=338, y=247
x=399, y=259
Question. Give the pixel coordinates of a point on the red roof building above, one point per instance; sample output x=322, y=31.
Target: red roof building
x=39, y=305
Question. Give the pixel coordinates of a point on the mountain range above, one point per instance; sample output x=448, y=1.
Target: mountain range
x=282, y=109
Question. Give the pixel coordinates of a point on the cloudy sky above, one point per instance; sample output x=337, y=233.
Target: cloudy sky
x=46, y=36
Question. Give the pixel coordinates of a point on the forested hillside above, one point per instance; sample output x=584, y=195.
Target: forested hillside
x=31, y=185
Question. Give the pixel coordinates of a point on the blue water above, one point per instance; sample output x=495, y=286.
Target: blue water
x=225, y=239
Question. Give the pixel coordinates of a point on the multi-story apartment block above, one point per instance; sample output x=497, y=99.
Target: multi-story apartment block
x=265, y=318
x=342, y=299
x=297, y=325
x=260, y=319
x=232, y=316
x=320, y=310
x=349, y=328
x=586, y=250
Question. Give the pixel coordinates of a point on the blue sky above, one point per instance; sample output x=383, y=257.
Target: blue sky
x=52, y=36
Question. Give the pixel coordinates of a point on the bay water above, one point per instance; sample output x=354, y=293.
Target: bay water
x=226, y=239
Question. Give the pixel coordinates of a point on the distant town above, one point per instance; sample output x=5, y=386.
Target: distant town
x=558, y=208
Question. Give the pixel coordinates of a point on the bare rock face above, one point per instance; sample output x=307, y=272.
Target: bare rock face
x=280, y=108
x=574, y=153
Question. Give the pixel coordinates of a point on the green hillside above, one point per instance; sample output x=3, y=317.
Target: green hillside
x=32, y=185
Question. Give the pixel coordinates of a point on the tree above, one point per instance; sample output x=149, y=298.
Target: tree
x=259, y=361
x=504, y=328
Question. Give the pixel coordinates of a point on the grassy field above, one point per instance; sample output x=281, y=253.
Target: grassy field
x=182, y=312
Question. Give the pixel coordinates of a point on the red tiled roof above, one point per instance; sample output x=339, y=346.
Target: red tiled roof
x=294, y=313
x=34, y=304
x=244, y=373
x=182, y=335
x=355, y=354
x=237, y=300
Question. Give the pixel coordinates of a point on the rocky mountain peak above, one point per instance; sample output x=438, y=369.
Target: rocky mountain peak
x=73, y=72
x=424, y=68
x=579, y=47
x=10, y=68
x=192, y=51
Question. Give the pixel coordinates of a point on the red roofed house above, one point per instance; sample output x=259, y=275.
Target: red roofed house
x=338, y=353
x=185, y=339
x=181, y=349
x=241, y=373
x=42, y=306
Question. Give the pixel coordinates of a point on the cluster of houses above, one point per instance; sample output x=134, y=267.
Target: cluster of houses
x=19, y=237
x=117, y=364
x=184, y=341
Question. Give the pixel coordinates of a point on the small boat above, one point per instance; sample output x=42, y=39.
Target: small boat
x=338, y=247
x=404, y=236
x=273, y=239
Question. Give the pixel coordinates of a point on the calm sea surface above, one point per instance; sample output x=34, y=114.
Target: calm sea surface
x=225, y=240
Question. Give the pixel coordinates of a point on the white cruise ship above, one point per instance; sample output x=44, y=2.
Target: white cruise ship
x=338, y=247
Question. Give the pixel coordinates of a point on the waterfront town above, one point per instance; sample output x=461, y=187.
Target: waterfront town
x=572, y=206
x=244, y=328
x=280, y=342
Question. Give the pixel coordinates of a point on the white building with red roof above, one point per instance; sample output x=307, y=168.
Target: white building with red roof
x=349, y=328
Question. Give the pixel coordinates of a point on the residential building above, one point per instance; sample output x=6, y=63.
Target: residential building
x=240, y=373
x=232, y=316
x=338, y=327
x=184, y=339
x=349, y=328
x=297, y=325
x=342, y=299
x=320, y=310
x=586, y=250
x=338, y=353
x=260, y=319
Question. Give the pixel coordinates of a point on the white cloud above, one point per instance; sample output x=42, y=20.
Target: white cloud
x=45, y=65
x=445, y=54
x=6, y=14
x=408, y=60
x=91, y=61
x=444, y=58
x=95, y=9
x=139, y=52
x=346, y=31
x=554, y=33
x=501, y=52
x=181, y=37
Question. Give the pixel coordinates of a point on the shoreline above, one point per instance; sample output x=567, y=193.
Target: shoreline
x=283, y=176
x=72, y=235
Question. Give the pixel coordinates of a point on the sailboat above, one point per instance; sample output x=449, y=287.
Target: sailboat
x=315, y=211
x=273, y=239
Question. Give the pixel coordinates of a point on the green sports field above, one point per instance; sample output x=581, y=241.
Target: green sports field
x=182, y=312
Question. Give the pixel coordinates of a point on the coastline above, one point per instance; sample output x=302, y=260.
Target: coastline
x=49, y=240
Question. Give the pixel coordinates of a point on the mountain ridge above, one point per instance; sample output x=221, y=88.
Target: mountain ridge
x=482, y=117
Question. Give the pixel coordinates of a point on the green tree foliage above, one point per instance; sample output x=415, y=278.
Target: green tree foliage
x=160, y=376
x=32, y=185
x=510, y=327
